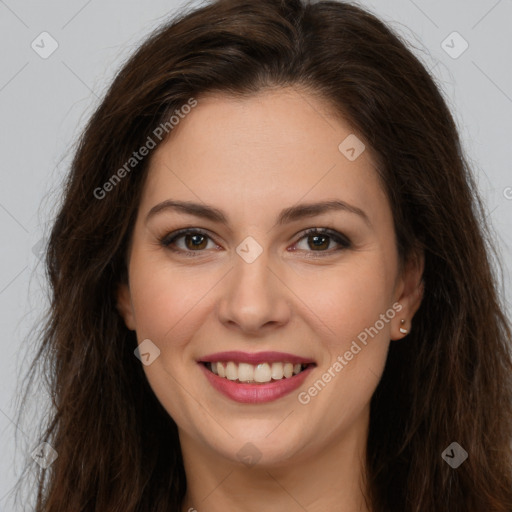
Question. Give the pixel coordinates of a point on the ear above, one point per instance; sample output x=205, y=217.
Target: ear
x=125, y=306
x=409, y=294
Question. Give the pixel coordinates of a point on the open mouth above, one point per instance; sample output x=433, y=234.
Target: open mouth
x=262, y=373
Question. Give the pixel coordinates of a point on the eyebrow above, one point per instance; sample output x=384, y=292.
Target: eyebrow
x=291, y=214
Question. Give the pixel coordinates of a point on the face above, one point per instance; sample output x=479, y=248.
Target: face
x=259, y=235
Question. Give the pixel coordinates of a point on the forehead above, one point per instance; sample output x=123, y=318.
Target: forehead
x=277, y=147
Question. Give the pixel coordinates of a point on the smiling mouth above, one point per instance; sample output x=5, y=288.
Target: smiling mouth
x=262, y=373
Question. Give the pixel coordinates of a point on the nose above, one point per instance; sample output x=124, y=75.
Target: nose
x=254, y=299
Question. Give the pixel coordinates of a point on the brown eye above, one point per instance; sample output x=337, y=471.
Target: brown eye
x=187, y=241
x=317, y=242
x=196, y=241
x=322, y=241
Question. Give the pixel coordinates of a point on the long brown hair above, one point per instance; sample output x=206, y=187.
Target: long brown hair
x=450, y=380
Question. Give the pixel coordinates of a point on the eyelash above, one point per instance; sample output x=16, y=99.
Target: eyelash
x=343, y=241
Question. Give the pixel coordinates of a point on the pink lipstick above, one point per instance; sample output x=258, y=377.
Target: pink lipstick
x=255, y=377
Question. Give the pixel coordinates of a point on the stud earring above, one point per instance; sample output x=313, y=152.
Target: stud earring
x=402, y=328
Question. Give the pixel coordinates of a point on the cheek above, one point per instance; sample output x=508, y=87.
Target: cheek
x=169, y=301
x=347, y=299
x=356, y=309
x=169, y=305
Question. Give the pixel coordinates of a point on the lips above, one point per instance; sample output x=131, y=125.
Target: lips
x=255, y=377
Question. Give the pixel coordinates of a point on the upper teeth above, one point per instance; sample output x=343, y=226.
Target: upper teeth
x=263, y=372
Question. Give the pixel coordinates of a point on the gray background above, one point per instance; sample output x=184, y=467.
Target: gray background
x=44, y=104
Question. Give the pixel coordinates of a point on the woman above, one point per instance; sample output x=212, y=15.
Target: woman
x=271, y=283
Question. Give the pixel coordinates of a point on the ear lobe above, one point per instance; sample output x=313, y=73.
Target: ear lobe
x=411, y=295
x=125, y=306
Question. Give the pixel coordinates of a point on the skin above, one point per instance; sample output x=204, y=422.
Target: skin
x=251, y=158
